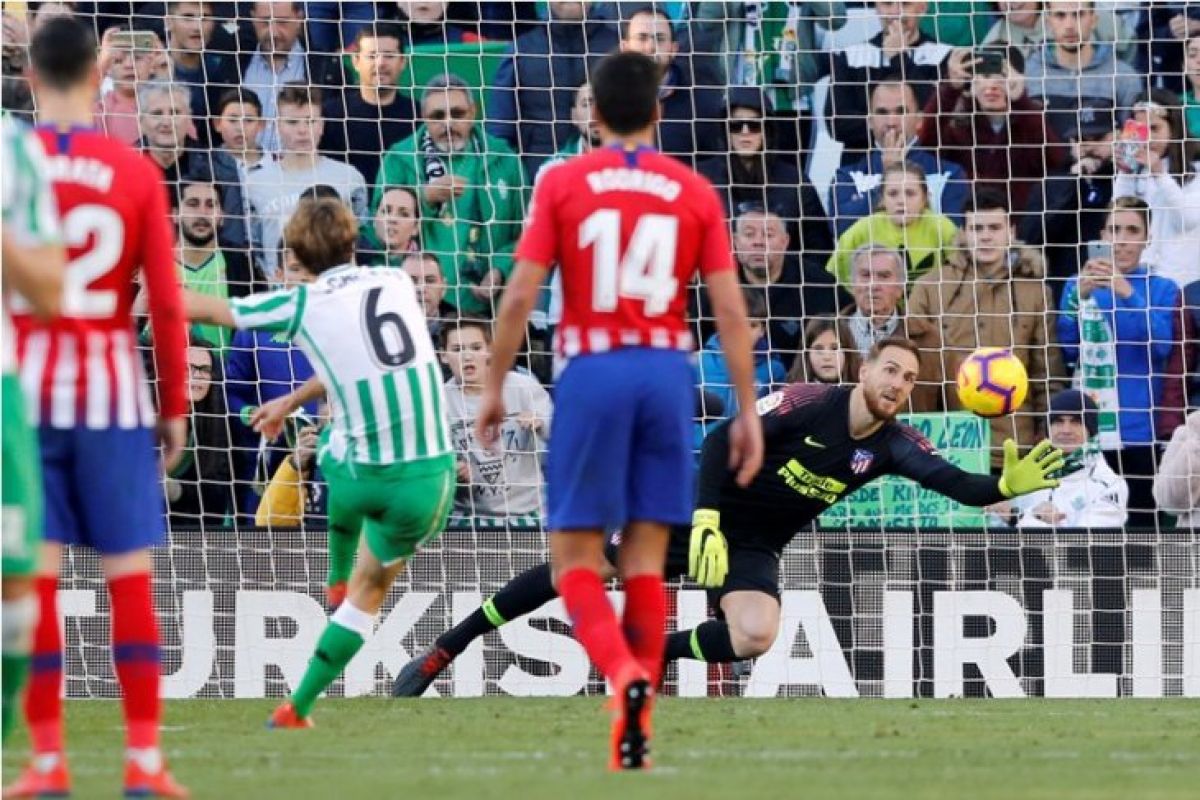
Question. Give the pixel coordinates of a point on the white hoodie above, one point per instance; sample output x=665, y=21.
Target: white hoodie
x=1091, y=497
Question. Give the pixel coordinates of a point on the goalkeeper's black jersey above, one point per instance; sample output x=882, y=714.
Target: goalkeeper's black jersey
x=811, y=462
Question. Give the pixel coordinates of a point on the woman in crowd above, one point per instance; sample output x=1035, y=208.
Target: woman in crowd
x=397, y=226
x=1163, y=173
x=199, y=490
x=753, y=173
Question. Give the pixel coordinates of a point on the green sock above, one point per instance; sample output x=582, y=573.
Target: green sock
x=334, y=651
x=15, y=667
x=342, y=546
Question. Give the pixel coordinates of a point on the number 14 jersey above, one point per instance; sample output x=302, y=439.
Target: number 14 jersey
x=365, y=335
x=629, y=229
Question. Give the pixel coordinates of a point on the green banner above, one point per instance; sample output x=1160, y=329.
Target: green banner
x=892, y=502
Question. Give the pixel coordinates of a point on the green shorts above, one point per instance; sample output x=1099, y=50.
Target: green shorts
x=21, y=493
x=398, y=507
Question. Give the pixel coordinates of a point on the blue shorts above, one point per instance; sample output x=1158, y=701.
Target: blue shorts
x=102, y=488
x=621, y=441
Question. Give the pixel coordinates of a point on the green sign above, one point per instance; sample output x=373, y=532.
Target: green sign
x=895, y=502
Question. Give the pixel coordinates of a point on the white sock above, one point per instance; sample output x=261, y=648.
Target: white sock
x=148, y=758
x=354, y=619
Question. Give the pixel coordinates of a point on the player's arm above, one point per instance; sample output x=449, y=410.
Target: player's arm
x=208, y=309
x=36, y=273
x=268, y=419
x=167, y=321
x=516, y=303
x=745, y=451
x=917, y=460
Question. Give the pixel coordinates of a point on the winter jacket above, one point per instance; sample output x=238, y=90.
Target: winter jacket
x=1091, y=497
x=713, y=372
x=856, y=187
x=1107, y=87
x=529, y=104
x=1014, y=159
x=1005, y=308
x=1177, y=485
x=1174, y=224
x=858, y=68
x=924, y=244
x=476, y=231
x=1143, y=328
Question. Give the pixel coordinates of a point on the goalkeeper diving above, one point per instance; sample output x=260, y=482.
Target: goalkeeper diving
x=821, y=444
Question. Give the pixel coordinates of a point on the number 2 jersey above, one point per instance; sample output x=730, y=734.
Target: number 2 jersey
x=629, y=229
x=365, y=335
x=83, y=369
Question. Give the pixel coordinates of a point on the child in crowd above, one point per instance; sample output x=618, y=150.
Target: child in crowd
x=903, y=221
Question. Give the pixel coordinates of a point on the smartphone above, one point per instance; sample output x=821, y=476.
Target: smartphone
x=991, y=62
x=1133, y=138
x=1099, y=250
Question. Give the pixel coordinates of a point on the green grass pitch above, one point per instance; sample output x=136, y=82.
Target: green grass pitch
x=717, y=748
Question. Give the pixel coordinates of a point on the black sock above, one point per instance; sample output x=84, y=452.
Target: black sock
x=525, y=593
x=710, y=638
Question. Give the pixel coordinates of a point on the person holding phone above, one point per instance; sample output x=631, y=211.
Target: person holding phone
x=1158, y=163
x=1117, y=331
x=987, y=123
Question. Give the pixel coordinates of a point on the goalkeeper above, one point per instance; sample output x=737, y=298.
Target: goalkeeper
x=821, y=443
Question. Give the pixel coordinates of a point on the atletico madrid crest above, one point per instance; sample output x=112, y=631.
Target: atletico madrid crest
x=861, y=461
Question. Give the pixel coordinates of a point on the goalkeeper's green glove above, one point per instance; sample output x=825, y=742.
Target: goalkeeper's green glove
x=708, y=553
x=1028, y=474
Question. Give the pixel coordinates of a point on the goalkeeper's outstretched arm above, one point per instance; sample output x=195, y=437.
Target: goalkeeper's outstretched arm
x=1019, y=476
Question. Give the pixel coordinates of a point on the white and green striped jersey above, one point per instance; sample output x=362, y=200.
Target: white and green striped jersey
x=365, y=335
x=30, y=210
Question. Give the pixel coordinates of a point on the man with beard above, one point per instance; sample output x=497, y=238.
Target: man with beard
x=201, y=265
x=738, y=534
x=471, y=188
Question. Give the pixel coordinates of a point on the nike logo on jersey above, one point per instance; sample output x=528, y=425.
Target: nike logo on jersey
x=811, y=442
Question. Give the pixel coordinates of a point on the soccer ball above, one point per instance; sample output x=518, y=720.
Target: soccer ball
x=992, y=382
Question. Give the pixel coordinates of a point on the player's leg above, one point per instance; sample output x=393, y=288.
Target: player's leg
x=661, y=489
x=121, y=517
x=21, y=500
x=748, y=606
x=404, y=506
x=47, y=771
x=344, y=636
x=345, y=527
x=522, y=595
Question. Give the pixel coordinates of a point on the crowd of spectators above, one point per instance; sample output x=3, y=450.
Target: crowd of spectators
x=967, y=174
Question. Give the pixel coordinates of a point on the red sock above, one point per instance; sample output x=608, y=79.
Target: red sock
x=136, y=656
x=595, y=625
x=43, y=701
x=645, y=621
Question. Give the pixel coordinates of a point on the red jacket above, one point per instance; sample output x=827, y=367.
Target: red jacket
x=1015, y=158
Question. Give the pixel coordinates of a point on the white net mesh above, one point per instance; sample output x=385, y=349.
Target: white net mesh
x=940, y=170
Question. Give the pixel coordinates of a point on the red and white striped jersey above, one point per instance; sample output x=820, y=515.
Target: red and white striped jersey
x=83, y=369
x=629, y=229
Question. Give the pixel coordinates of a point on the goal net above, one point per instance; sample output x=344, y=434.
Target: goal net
x=964, y=174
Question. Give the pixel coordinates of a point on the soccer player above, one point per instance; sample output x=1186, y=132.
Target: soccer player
x=822, y=443
x=83, y=380
x=33, y=263
x=388, y=461
x=630, y=228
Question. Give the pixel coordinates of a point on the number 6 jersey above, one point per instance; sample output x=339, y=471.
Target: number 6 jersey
x=82, y=370
x=365, y=335
x=629, y=229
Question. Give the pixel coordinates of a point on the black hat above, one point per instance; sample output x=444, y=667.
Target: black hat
x=1074, y=403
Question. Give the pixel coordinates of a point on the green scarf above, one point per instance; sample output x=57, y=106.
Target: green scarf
x=1096, y=373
